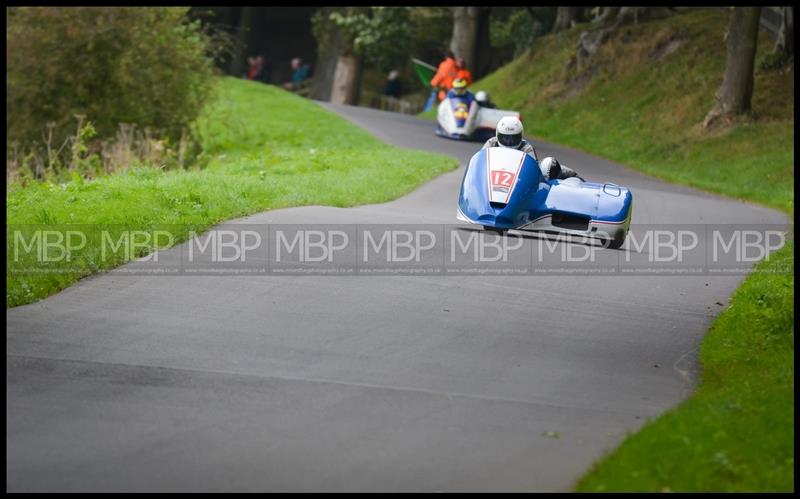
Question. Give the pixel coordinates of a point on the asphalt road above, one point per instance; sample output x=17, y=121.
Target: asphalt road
x=360, y=383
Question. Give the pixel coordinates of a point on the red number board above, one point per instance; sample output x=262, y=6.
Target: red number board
x=502, y=178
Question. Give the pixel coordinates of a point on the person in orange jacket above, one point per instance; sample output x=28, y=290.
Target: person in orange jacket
x=462, y=71
x=445, y=74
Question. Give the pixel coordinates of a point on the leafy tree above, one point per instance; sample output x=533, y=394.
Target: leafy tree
x=336, y=43
x=375, y=35
x=146, y=66
x=379, y=34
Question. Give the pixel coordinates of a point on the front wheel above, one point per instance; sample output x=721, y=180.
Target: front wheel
x=618, y=241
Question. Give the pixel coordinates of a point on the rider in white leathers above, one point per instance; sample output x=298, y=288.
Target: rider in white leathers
x=509, y=134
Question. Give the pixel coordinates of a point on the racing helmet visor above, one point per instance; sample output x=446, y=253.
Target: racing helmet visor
x=509, y=140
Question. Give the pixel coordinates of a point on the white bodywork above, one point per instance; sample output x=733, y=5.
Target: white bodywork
x=503, y=165
x=477, y=117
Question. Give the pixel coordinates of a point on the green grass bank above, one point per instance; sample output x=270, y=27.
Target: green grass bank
x=267, y=149
x=736, y=432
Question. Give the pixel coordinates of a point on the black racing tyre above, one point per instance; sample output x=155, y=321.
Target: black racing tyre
x=618, y=241
x=495, y=230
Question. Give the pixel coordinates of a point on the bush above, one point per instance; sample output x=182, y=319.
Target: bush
x=151, y=67
x=83, y=155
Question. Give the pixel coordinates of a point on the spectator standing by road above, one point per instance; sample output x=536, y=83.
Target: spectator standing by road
x=394, y=87
x=259, y=69
x=300, y=72
x=445, y=74
x=253, y=67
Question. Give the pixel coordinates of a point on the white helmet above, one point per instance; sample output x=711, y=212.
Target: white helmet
x=551, y=168
x=509, y=132
x=482, y=96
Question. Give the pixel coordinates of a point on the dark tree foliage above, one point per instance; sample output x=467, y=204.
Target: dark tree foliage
x=146, y=66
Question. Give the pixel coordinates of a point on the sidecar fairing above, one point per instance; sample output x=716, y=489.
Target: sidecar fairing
x=460, y=117
x=504, y=189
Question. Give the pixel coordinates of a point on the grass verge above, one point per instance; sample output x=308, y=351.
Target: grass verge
x=736, y=432
x=267, y=149
x=640, y=101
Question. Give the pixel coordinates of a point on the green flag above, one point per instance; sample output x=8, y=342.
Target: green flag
x=424, y=70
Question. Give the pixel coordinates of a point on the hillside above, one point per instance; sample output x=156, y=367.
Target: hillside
x=642, y=97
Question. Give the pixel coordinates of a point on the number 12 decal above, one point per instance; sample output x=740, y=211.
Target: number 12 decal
x=503, y=178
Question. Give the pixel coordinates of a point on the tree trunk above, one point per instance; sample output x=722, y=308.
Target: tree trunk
x=607, y=15
x=565, y=18
x=733, y=97
x=239, y=61
x=584, y=14
x=328, y=51
x=533, y=15
x=785, y=40
x=347, y=79
x=466, y=22
x=484, y=53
